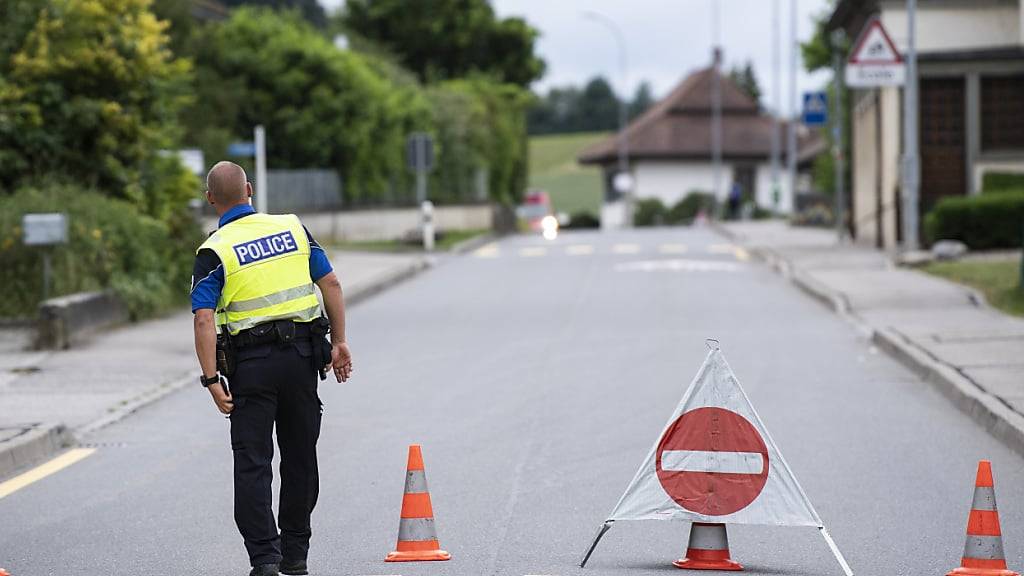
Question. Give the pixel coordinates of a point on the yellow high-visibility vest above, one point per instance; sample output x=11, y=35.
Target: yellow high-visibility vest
x=266, y=272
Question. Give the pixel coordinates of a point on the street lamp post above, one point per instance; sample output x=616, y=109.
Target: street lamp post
x=622, y=179
x=777, y=99
x=794, y=61
x=716, y=99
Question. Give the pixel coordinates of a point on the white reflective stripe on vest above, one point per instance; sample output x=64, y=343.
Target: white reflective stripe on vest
x=272, y=299
x=307, y=315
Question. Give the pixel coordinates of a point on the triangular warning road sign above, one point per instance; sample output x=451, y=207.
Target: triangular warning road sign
x=715, y=462
x=874, y=46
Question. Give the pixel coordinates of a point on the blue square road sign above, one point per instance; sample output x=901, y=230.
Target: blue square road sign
x=815, y=109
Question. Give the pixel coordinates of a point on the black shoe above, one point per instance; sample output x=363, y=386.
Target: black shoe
x=264, y=570
x=294, y=567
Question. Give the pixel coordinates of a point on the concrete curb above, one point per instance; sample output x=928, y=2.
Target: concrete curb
x=991, y=413
x=362, y=292
x=473, y=243
x=988, y=411
x=42, y=441
x=32, y=444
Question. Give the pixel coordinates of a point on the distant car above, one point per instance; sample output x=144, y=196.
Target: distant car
x=535, y=207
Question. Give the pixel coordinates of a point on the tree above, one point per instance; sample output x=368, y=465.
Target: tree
x=598, y=106
x=322, y=107
x=89, y=93
x=445, y=39
x=746, y=80
x=642, y=100
x=311, y=10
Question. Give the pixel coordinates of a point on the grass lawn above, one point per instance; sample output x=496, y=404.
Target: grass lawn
x=998, y=280
x=444, y=242
x=573, y=188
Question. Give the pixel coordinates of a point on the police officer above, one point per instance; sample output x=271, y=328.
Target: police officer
x=253, y=280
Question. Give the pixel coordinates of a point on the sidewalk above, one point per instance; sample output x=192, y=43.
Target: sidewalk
x=52, y=399
x=942, y=331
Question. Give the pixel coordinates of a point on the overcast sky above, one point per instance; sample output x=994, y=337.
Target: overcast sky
x=665, y=39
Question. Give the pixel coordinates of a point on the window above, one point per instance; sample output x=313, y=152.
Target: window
x=1002, y=113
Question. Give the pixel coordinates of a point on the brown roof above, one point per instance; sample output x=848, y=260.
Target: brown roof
x=679, y=126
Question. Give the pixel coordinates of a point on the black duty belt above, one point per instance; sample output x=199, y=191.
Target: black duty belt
x=269, y=332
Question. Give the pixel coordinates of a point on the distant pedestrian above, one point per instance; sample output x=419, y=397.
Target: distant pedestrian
x=258, y=322
x=735, y=200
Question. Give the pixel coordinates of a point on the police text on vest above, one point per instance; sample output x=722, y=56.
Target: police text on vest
x=263, y=248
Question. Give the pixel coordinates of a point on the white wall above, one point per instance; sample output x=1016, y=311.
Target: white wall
x=763, y=194
x=671, y=181
x=972, y=25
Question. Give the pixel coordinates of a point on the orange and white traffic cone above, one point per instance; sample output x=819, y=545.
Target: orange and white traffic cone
x=708, y=549
x=417, y=537
x=4, y=572
x=983, y=552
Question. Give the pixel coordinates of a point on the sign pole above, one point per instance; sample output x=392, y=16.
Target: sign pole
x=261, y=169
x=837, y=136
x=911, y=167
x=46, y=274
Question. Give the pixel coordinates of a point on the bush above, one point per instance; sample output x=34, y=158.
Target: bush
x=1002, y=182
x=581, y=220
x=649, y=212
x=684, y=211
x=148, y=262
x=983, y=222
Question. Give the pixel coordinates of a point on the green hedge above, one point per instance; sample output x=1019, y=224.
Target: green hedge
x=1002, y=182
x=684, y=211
x=148, y=262
x=983, y=222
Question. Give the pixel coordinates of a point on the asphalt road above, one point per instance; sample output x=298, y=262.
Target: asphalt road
x=536, y=375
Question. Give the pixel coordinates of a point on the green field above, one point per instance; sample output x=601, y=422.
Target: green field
x=573, y=188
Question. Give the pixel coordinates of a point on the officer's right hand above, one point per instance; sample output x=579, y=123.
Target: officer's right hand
x=222, y=398
x=341, y=361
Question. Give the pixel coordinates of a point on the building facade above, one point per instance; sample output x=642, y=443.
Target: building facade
x=971, y=106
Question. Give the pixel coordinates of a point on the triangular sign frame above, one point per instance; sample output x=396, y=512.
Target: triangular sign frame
x=875, y=24
x=775, y=496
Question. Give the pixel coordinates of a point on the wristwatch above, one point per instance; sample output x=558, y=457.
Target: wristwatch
x=215, y=379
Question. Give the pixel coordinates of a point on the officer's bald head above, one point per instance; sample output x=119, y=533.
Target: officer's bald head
x=226, y=184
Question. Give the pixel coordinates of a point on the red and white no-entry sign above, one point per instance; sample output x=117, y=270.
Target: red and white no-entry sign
x=712, y=461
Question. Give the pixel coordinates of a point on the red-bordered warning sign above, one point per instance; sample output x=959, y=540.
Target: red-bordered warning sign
x=875, y=61
x=712, y=461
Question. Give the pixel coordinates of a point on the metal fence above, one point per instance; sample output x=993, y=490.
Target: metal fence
x=303, y=191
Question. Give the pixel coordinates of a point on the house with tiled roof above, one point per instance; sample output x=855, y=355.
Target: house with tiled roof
x=671, y=153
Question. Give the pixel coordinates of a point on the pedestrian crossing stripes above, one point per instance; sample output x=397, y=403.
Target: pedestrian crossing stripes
x=496, y=250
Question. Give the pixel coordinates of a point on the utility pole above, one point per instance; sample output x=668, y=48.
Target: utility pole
x=716, y=99
x=837, y=134
x=262, y=199
x=794, y=61
x=777, y=103
x=623, y=181
x=911, y=163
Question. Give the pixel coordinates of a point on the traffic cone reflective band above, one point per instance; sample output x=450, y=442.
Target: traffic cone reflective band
x=708, y=549
x=417, y=537
x=983, y=552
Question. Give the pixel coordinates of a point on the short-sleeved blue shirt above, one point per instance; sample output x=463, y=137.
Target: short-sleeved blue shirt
x=208, y=271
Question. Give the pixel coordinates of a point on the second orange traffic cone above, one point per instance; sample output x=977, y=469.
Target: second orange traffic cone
x=417, y=536
x=708, y=549
x=983, y=552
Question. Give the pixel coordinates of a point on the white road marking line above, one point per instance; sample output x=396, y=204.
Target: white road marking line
x=43, y=470
x=721, y=249
x=678, y=265
x=626, y=248
x=487, y=251
x=720, y=462
x=579, y=250
x=741, y=254
x=532, y=251
x=672, y=248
